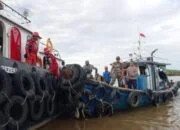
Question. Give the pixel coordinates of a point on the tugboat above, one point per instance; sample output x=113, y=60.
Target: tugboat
x=29, y=94
x=153, y=88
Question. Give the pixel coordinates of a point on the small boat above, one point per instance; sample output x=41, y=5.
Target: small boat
x=153, y=88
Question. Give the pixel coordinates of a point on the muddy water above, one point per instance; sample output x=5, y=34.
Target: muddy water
x=164, y=117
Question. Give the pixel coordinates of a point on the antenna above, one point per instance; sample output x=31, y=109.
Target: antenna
x=152, y=53
x=26, y=13
x=22, y=15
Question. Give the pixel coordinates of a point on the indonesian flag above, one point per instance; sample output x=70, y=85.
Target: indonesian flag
x=142, y=35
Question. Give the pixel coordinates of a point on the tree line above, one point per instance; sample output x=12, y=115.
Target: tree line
x=173, y=72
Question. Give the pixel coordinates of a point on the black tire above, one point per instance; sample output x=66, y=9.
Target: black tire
x=36, y=108
x=76, y=72
x=134, y=99
x=79, y=84
x=3, y=120
x=40, y=83
x=51, y=83
x=23, y=84
x=5, y=85
x=50, y=106
x=16, y=110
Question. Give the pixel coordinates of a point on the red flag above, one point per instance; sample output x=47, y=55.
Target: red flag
x=142, y=35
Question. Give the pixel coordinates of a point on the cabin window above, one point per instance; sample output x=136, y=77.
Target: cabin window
x=143, y=70
x=1, y=40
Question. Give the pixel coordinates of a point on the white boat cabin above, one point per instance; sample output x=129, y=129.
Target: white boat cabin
x=13, y=38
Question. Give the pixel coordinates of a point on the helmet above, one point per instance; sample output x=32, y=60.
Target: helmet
x=36, y=34
x=117, y=58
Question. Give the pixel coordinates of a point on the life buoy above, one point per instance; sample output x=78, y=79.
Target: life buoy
x=39, y=62
x=134, y=99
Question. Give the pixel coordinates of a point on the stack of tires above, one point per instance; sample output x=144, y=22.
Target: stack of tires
x=71, y=89
x=26, y=98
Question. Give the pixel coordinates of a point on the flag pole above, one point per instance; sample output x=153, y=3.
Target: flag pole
x=139, y=47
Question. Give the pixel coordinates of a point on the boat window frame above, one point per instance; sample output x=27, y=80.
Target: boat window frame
x=2, y=49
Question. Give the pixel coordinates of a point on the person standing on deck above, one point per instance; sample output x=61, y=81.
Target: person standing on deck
x=31, y=49
x=132, y=73
x=53, y=64
x=106, y=75
x=116, y=72
x=88, y=68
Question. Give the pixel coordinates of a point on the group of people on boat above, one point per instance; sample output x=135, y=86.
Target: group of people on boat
x=125, y=75
x=31, y=55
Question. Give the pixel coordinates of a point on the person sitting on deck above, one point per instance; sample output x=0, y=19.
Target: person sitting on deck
x=132, y=73
x=88, y=69
x=106, y=75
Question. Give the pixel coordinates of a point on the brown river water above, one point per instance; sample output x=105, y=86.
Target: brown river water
x=164, y=117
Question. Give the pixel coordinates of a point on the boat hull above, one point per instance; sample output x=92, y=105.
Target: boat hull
x=99, y=96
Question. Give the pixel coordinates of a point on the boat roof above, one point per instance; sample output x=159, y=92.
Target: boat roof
x=145, y=62
x=11, y=21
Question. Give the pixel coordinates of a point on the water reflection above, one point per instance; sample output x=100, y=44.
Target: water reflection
x=164, y=117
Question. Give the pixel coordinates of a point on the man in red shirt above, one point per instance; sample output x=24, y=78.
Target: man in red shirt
x=32, y=49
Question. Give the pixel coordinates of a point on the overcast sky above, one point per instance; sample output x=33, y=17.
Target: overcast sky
x=99, y=30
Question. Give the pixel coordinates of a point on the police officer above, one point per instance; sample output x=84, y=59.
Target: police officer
x=88, y=69
x=116, y=71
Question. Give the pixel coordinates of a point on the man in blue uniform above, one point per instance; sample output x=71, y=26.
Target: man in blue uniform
x=106, y=75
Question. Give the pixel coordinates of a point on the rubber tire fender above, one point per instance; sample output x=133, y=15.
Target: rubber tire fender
x=76, y=74
x=79, y=84
x=23, y=113
x=5, y=85
x=40, y=84
x=21, y=80
x=3, y=120
x=134, y=99
x=50, y=106
x=51, y=83
x=36, y=104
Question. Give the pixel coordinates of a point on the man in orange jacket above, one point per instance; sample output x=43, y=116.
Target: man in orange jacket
x=53, y=64
x=32, y=49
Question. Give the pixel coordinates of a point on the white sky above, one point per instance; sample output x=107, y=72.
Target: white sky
x=99, y=30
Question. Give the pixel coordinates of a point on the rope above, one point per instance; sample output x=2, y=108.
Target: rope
x=53, y=98
x=5, y=94
x=76, y=93
x=172, y=93
x=5, y=124
x=43, y=97
x=24, y=100
x=17, y=124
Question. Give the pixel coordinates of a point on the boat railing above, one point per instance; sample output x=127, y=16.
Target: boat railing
x=108, y=85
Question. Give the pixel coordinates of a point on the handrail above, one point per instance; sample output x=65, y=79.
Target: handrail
x=28, y=21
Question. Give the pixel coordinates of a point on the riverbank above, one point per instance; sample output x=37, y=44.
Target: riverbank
x=173, y=72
